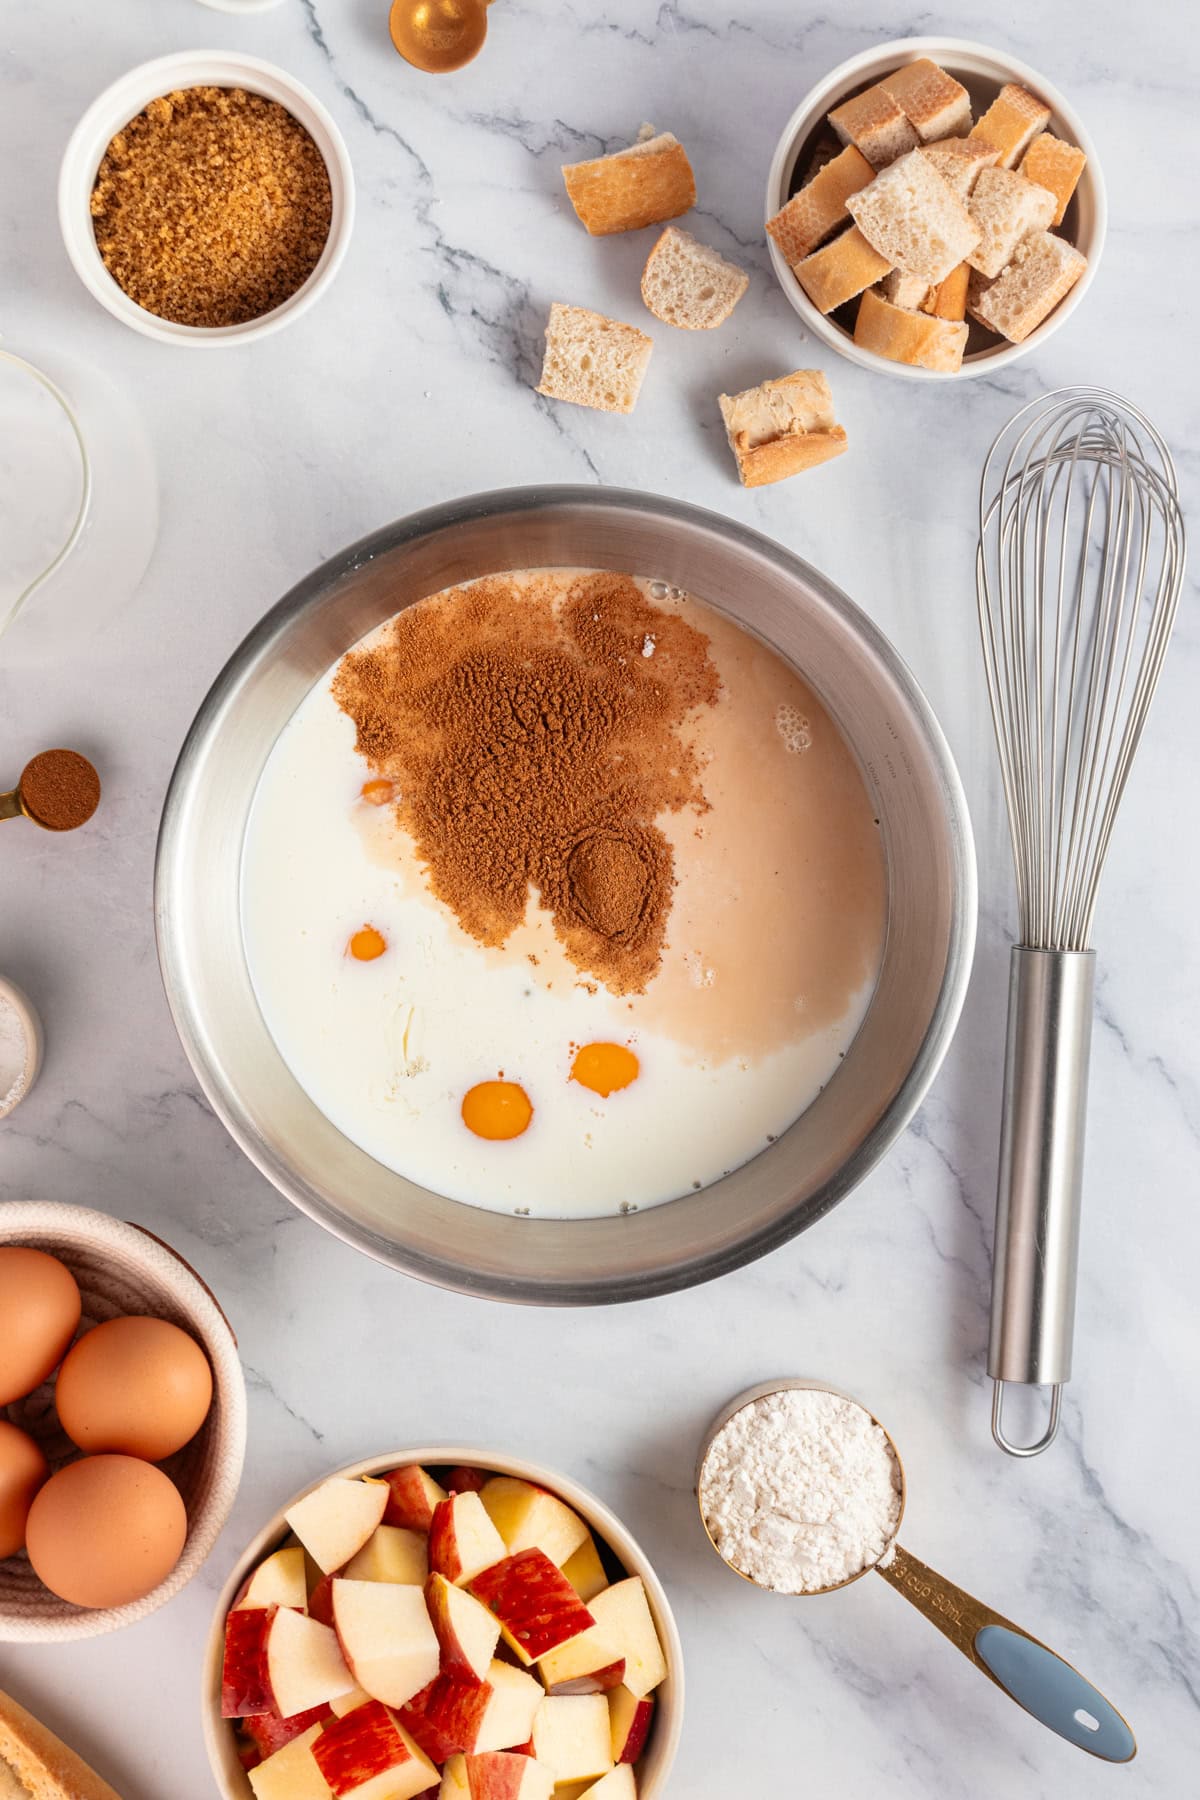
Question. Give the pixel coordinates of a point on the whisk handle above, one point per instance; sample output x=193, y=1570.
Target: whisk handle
x=1041, y=1169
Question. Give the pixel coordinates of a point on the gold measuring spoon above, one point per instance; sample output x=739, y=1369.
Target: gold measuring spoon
x=59, y=790
x=438, y=36
x=1020, y=1665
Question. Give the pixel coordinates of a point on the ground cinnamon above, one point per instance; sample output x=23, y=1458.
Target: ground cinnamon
x=60, y=789
x=532, y=731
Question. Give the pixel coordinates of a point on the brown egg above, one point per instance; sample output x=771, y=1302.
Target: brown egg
x=137, y=1386
x=39, y=1315
x=105, y=1530
x=22, y=1472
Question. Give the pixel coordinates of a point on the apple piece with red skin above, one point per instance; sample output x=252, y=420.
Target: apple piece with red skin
x=585, y=1571
x=412, y=1496
x=391, y=1553
x=467, y=1632
x=305, y=1667
x=292, y=1773
x=623, y=1613
x=511, y=1710
x=630, y=1719
x=248, y=1753
x=386, y=1637
x=536, y=1605
x=368, y=1755
x=320, y=1601
x=529, y=1518
x=618, y=1784
x=463, y=1480
x=572, y=1736
x=337, y=1518
x=462, y=1539
x=245, y=1686
x=504, y=1775
x=455, y=1785
x=269, y=1732
x=277, y=1581
x=588, y=1664
x=446, y=1717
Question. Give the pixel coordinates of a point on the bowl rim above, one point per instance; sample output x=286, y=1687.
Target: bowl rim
x=823, y=95
x=668, y=1726
x=121, y=101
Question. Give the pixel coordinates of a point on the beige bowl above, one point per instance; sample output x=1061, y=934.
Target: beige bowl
x=122, y=1269
x=654, y=1765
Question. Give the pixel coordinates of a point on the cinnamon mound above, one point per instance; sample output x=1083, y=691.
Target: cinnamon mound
x=533, y=740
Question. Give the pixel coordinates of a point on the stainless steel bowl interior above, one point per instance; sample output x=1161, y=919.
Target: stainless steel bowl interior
x=931, y=898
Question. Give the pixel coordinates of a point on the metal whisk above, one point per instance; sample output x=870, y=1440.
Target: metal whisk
x=1079, y=569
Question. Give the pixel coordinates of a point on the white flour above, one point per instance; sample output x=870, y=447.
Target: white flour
x=801, y=1490
x=14, y=1052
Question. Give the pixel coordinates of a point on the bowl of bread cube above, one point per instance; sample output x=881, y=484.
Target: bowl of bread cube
x=935, y=209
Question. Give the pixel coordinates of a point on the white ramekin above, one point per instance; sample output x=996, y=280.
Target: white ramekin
x=123, y=101
x=971, y=63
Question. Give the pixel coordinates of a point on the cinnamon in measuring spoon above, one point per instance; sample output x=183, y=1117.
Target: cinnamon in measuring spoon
x=59, y=790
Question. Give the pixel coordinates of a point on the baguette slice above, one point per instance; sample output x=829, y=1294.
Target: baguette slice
x=42, y=1765
x=650, y=181
x=960, y=161
x=875, y=124
x=687, y=283
x=909, y=337
x=949, y=299
x=908, y=291
x=914, y=219
x=820, y=206
x=834, y=274
x=934, y=103
x=1011, y=122
x=593, y=361
x=1043, y=271
x=1007, y=209
x=782, y=427
x=1054, y=165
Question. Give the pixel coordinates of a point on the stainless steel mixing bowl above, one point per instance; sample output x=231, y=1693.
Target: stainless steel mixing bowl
x=931, y=898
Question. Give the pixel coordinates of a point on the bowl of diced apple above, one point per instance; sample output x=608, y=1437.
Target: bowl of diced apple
x=445, y=1622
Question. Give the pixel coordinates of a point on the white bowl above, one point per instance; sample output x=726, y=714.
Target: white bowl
x=654, y=1765
x=983, y=72
x=123, y=101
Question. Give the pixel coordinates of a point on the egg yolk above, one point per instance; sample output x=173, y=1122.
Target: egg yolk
x=497, y=1109
x=367, y=944
x=376, y=793
x=605, y=1068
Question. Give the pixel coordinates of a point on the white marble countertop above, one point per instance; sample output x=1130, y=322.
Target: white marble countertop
x=408, y=384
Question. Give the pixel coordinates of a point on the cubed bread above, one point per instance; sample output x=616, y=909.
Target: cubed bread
x=935, y=105
x=1054, y=165
x=820, y=206
x=1007, y=209
x=1042, y=272
x=909, y=337
x=914, y=219
x=782, y=427
x=948, y=300
x=593, y=361
x=960, y=160
x=649, y=182
x=689, y=284
x=875, y=124
x=1011, y=122
x=834, y=274
x=909, y=291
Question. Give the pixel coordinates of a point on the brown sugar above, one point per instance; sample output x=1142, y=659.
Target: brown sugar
x=212, y=206
x=532, y=743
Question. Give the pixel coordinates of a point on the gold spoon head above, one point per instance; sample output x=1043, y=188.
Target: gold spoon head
x=438, y=36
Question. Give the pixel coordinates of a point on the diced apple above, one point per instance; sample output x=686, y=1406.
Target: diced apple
x=466, y=1631
x=588, y=1664
x=528, y=1518
x=462, y=1539
x=336, y=1519
x=412, y=1496
x=305, y=1667
x=347, y=1702
x=320, y=1601
x=623, y=1612
x=269, y=1733
x=630, y=1719
x=536, y=1605
x=279, y=1581
x=572, y=1790
x=511, y=1710
x=386, y=1637
x=369, y=1756
x=391, y=1554
x=463, y=1480
x=446, y=1717
x=572, y=1736
x=455, y=1785
x=618, y=1784
x=584, y=1570
x=501, y=1775
x=292, y=1773
x=245, y=1687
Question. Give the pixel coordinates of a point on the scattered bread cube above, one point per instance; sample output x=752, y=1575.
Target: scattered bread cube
x=960, y=160
x=875, y=124
x=778, y=429
x=1054, y=165
x=820, y=206
x=1043, y=271
x=689, y=284
x=646, y=184
x=909, y=291
x=1007, y=210
x=909, y=337
x=914, y=219
x=840, y=270
x=934, y=103
x=1011, y=122
x=948, y=300
x=593, y=361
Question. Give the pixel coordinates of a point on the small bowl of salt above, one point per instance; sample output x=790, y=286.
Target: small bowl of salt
x=20, y=1046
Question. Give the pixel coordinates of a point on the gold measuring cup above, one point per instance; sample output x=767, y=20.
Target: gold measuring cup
x=1020, y=1665
x=438, y=36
